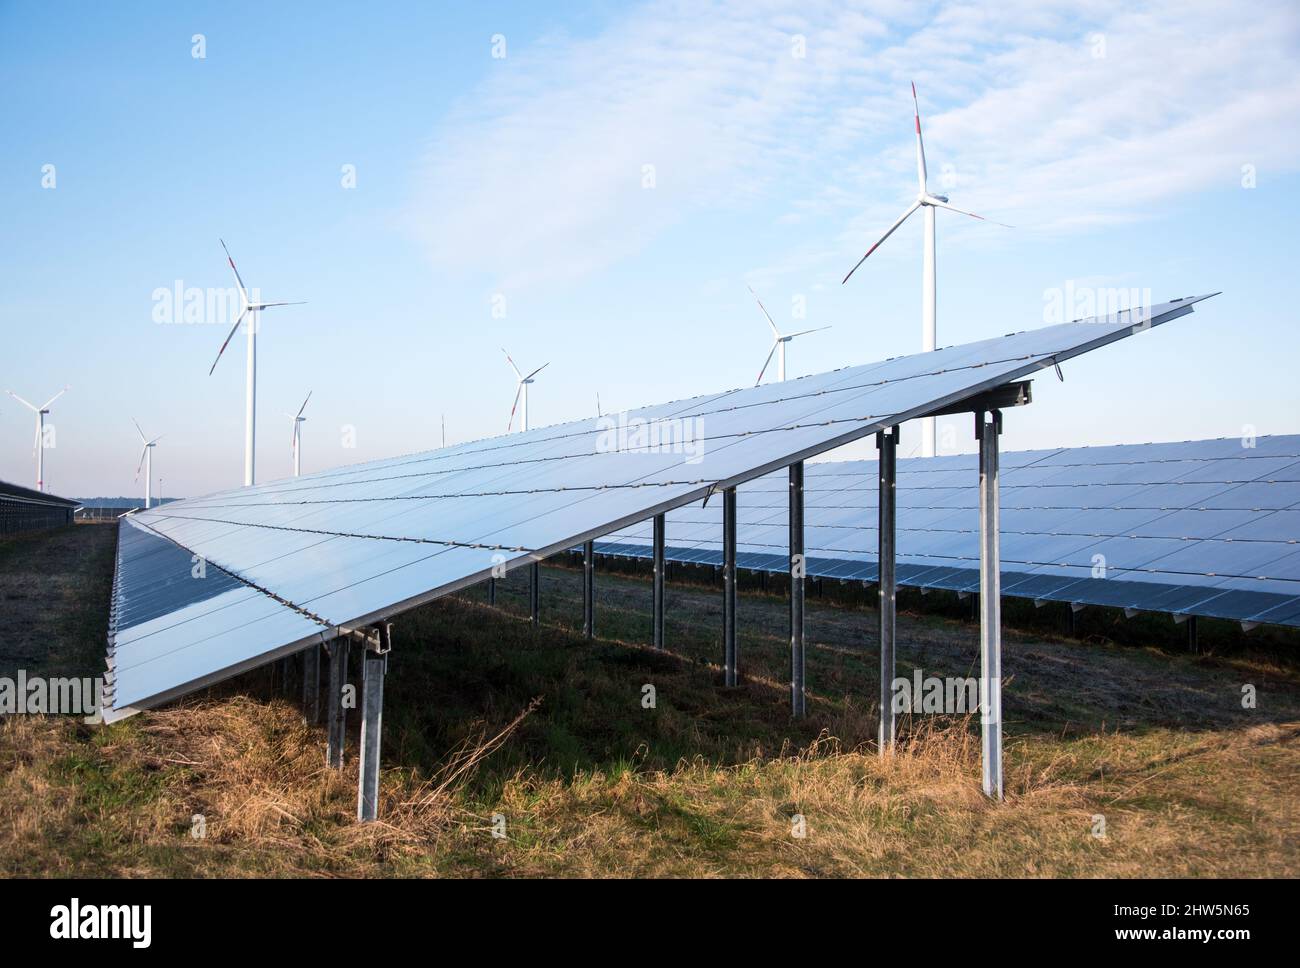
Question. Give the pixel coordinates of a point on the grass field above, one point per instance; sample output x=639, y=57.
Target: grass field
x=490, y=726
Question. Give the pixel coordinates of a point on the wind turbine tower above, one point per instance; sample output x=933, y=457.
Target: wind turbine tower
x=521, y=392
x=39, y=445
x=924, y=200
x=252, y=309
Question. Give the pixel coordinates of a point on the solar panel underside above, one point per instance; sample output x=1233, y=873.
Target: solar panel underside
x=1205, y=527
x=346, y=547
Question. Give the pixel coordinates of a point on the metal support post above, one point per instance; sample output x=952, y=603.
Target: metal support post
x=658, y=620
x=336, y=713
x=798, y=570
x=990, y=603
x=535, y=593
x=887, y=444
x=374, y=663
x=729, y=586
x=311, y=683
x=588, y=590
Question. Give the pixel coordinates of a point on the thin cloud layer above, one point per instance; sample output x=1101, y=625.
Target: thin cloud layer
x=1039, y=115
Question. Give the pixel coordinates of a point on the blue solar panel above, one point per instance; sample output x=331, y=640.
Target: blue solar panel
x=344, y=548
x=1205, y=543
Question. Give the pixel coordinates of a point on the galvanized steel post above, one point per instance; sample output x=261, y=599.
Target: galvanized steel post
x=335, y=711
x=374, y=663
x=658, y=605
x=535, y=593
x=729, y=586
x=887, y=444
x=990, y=603
x=588, y=590
x=798, y=569
x=311, y=683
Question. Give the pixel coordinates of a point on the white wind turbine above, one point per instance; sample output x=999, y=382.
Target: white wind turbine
x=250, y=309
x=924, y=200
x=778, y=342
x=521, y=391
x=295, y=442
x=146, y=461
x=38, y=447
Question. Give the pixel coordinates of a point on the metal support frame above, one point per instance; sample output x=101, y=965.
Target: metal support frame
x=336, y=713
x=374, y=663
x=798, y=569
x=887, y=444
x=1192, y=644
x=311, y=683
x=588, y=589
x=987, y=431
x=492, y=591
x=729, y=586
x=535, y=593
x=659, y=576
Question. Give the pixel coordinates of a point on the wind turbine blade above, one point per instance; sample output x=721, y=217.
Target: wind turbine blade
x=920, y=147
x=512, y=364
x=766, y=362
x=143, y=450
x=227, y=342
x=29, y=406
x=299, y=302
x=888, y=232
x=243, y=290
x=156, y=439
x=56, y=396
x=775, y=332
x=515, y=405
x=954, y=208
x=537, y=371
x=138, y=430
x=304, y=405
x=807, y=331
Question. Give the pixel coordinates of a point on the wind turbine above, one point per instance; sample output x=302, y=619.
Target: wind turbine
x=146, y=461
x=928, y=202
x=38, y=447
x=249, y=309
x=295, y=442
x=778, y=342
x=521, y=391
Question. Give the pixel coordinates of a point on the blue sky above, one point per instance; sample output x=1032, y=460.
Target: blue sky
x=1113, y=136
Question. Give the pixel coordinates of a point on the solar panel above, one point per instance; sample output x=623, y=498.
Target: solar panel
x=347, y=547
x=1178, y=543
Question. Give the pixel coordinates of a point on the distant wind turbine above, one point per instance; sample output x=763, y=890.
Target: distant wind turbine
x=251, y=310
x=146, y=461
x=521, y=391
x=778, y=342
x=38, y=447
x=295, y=441
x=924, y=200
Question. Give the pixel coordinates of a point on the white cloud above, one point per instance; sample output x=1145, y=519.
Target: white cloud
x=538, y=174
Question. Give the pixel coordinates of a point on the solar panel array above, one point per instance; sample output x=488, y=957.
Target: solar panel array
x=1205, y=527
x=343, y=548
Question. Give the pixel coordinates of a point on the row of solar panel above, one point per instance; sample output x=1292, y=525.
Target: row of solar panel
x=1178, y=546
x=347, y=547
